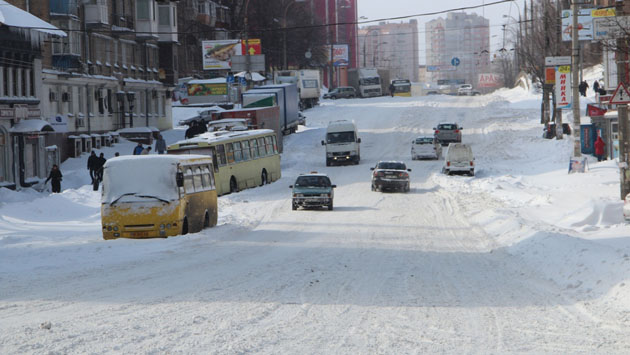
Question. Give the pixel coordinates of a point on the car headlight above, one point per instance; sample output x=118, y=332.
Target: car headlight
x=115, y=228
x=298, y=195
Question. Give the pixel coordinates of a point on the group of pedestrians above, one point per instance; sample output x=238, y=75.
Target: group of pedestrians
x=95, y=164
x=196, y=128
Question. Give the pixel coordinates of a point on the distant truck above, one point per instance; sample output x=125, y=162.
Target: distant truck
x=258, y=118
x=307, y=81
x=365, y=81
x=285, y=96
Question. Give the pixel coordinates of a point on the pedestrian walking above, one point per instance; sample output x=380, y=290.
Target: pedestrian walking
x=392, y=89
x=582, y=88
x=91, y=165
x=599, y=148
x=138, y=149
x=55, y=178
x=160, y=144
x=146, y=150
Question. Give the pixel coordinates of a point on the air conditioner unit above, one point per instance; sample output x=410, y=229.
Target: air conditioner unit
x=52, y=96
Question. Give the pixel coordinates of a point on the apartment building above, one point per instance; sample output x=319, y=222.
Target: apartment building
x=392, y=46
x=458, y=47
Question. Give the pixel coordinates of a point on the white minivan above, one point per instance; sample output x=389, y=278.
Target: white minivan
x=459, y=159
x=342, y=143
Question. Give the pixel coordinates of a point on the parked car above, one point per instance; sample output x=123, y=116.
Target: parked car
x=392, y=175
x=467, y=90
x=447, y=133
x=342, y=92
x=459, y=159
x=312, y=190
x=425, y=147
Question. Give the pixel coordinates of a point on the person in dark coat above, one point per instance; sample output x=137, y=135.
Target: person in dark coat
x=160, y=145
x=596, y=86
x=91, y=165
x=99, y=166
x=392, y=89
x=599, y=148
x=138, y=149
x=582, y=87
x=55, y=178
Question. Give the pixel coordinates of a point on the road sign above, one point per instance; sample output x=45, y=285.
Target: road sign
x=435, y=68
x=621, y=96
x=556, y=61
x=610, y=27
x=455, y=61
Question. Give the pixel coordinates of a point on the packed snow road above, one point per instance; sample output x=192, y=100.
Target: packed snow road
x=382, y=273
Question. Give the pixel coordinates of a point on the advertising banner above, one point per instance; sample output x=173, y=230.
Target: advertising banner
x=563, y=87
x=585, y=22
x=218, y=54
x=340, y=54
x=207, y=89
x=610, y=69
x=550, y=75
x=489, y=80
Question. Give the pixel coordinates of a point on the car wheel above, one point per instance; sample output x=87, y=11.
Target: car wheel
x=185, y=226
x=447, y=172
x=472, y=172
x=407, y=188
x=373, y=187
x=334, y=97
x=233, y=185
x=328, y=163
x=293, y=206
x=263, y=178
x=330, y=206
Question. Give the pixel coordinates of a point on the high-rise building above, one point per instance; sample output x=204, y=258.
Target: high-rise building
x=458, y=47
x=392, y=46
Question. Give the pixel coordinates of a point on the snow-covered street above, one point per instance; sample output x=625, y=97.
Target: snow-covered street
x=521, y=258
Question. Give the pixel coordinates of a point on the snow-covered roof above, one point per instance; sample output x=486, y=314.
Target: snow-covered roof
x=13, y=16
x=32, y=125
x=219, y=136
x=255, y=76
x=208, y=81
x=135, y=130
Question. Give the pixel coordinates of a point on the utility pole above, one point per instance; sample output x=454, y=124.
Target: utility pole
x=622, y=112
x=575, y=102
x=557, y=111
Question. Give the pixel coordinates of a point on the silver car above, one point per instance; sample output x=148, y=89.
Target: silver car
x=425, y=148
x=447, y=133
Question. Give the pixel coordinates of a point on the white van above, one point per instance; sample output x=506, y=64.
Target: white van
x=459, y=159
x=342, y=143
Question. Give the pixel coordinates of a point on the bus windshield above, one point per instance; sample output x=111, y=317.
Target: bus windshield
x=137, y=180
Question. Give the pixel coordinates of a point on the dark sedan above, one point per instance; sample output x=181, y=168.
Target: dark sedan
x=390, y=175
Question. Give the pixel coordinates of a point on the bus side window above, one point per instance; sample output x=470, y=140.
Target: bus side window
x=206, y=178
x=238, y=154
x=215, y=159
x=220, y=155
x=197, y=180
x=189, y=187
x=254, y=149
x=229, y=152
x=275, y=145
x=246, y=155
x=262, y=151
x=269, y=145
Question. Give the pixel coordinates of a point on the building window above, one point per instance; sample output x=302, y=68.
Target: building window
x=143, y=10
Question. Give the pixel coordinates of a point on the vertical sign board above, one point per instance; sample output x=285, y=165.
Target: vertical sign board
x=610, y=70
x=550, y=75
x=340, y=54
x=563, y=87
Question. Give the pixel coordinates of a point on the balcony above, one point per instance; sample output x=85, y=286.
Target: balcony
x=122, y=23
x=146, y=26
x=96, y=15
x=167, y=22
x=63, y=8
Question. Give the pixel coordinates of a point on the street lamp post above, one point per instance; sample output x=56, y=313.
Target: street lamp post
x=120, y=96
x=131, y=96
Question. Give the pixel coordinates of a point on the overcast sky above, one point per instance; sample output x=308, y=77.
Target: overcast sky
x=379, y=9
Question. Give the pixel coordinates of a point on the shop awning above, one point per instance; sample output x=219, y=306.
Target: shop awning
x=13, y=16
x=29, y=126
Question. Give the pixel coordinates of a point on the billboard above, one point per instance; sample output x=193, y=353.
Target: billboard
x=585, y=22
x=217, y=55
x=340, y=54
x=489, y=80
x=207, y=89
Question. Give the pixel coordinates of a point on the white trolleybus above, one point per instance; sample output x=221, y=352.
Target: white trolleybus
x=243, y=159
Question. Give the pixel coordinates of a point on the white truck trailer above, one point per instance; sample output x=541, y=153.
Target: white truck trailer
x=307, y=81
